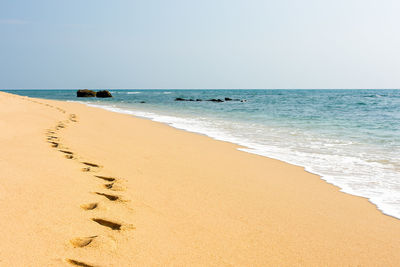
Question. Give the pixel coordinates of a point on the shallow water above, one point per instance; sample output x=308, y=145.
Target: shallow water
x=349, y=137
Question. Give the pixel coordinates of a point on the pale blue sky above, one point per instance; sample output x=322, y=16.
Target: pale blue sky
x=200, y=44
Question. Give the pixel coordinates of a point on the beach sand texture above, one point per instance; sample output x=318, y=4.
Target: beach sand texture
x=81, y=186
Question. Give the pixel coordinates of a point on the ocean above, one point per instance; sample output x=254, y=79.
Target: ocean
x=351, y=138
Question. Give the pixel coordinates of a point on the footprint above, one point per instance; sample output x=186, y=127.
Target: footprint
x=92, y=167
x=90, y=206
x=66, y=152
x=109, y=224
x=91, y=164
x=69, y=156
x=79, y=263
x=113, y=187
x=109, y=197
x=72, y=117
x=110, y=179
x=54, y=144
x=109, y=186
x=81, y=242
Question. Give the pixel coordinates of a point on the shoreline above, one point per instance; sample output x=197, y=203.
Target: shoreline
x=184, y=197
x=244, y=148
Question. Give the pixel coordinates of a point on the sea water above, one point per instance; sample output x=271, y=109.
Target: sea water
x=351, y=138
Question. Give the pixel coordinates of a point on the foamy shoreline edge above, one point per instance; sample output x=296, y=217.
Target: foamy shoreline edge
x=247, y=149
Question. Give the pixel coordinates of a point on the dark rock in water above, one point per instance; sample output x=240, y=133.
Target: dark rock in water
x=85, y=93
x=216, y=100
x=103, y=94
x=142, y=102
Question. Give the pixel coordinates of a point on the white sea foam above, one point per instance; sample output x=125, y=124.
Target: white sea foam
x=360, y=175
x=133, y=93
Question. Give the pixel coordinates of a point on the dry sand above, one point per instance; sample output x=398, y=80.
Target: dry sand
x=178, y=198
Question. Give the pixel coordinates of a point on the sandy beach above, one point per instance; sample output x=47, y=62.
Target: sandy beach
x=81, y=186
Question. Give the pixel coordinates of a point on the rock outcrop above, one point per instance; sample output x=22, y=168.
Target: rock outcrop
x=103, y=94
x=85, y=93
x=216, y=100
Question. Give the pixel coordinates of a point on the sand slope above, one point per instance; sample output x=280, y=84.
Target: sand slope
x=176, y=199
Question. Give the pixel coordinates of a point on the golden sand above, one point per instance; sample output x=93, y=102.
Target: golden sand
x=81, y=186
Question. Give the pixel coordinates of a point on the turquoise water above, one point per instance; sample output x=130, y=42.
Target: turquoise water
x=349, y=137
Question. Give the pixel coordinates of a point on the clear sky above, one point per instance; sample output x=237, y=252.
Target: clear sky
x=200, y=44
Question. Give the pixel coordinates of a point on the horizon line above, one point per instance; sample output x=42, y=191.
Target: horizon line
x=200, y=88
